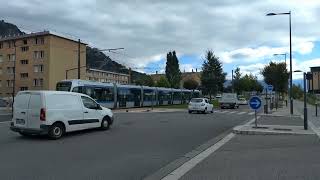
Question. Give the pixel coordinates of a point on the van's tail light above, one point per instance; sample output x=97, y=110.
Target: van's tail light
x=42, y=114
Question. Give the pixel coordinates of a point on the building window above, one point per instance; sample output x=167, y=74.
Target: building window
x=24, y=75
x=39, y=40
x=38, y=68
x=11, y=57
x=23, y=88
x=25, y=41
x=1, y=45
x=1, y=58
x=10, y=70
x=10, y=83
x=38, y=54
x=24, y=61
x=38, y=82
x=25, y=48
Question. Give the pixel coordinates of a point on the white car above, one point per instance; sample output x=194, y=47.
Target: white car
x=200, y=105
x=55, y=113
x=242, y=101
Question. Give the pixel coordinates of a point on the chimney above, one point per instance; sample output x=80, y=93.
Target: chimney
x=156, y=72
x=196, y=69
x=192, y=70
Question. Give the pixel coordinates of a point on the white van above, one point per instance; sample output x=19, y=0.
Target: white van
x=57, y=112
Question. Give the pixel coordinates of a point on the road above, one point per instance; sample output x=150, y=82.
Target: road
x=138, y=145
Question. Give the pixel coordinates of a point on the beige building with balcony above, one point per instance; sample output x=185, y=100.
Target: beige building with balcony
x=107, y=76
x=38, y=61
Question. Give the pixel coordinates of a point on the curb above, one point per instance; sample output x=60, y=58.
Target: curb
x=242, y=132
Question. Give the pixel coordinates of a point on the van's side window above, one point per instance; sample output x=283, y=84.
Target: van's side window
x=88, y=103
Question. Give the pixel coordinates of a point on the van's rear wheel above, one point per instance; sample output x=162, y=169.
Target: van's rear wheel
x=56, y=131
x=105, y=123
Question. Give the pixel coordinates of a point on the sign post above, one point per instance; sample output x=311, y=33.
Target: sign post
x=255, y=104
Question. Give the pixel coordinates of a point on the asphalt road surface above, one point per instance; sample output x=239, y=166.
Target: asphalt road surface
x=138, y=145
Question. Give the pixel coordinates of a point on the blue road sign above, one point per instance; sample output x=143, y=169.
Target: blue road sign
x=269, y=88
x=255, y=102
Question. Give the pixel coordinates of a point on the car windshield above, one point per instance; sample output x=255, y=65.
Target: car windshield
x=196, y=100
x=63, y=86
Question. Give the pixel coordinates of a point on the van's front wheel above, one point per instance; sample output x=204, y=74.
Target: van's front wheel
x=105, y=123
x=56, y=131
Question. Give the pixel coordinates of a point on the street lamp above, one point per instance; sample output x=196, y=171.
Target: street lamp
x=290, y=94
x=305, y=110
x=285, y=57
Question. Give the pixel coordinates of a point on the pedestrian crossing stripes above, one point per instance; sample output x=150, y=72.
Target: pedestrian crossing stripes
x=234, y=112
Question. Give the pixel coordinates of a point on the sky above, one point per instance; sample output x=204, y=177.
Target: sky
x=237, y=31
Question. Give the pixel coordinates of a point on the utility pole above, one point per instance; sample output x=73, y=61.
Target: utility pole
x=232, y=82
x=291, y=98
x=14, y=75
x=79, y=43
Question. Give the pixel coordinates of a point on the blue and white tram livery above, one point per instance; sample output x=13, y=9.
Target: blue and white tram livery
x=127, y=96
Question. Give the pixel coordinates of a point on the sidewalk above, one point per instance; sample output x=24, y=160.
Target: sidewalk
x=280, y=149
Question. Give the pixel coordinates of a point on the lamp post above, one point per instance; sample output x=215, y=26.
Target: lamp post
x=290, y=94
x=305, y=110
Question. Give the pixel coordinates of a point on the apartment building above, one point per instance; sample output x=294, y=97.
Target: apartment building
x=314, y=83
x=107, y=76
x=38, y=61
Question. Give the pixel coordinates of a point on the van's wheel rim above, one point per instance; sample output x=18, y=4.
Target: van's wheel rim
x=105, y=123
x=57, y=131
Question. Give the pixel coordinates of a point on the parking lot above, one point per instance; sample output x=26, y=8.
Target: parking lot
x=138, y=145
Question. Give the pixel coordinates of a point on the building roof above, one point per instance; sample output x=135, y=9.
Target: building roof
x=43, y=33
x=315, y=69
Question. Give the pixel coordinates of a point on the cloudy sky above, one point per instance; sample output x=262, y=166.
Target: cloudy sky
x=236, y=30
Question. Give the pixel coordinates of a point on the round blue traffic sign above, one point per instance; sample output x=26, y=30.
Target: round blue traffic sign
x=270, y=87
x=255, y=102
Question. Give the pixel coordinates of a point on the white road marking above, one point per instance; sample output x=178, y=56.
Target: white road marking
x=252, y=113
x=4, y=122
x=179, y=172
x=187, y=166
x=232, y=112
x=241, y=113
x=224, y=111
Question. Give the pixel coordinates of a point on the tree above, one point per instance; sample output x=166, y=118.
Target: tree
x=213, y=77
x=250, y=83
x=163, y=82
x=297, y=92
x=236, y=81
x=173, y=73
x=190, y=84
x=276, y=74
x=145, y=81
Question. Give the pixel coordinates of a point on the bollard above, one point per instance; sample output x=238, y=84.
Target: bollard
x=266, y=109
x=286, y=103
x=316, y=109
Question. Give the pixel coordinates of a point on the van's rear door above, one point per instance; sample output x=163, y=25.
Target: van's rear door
x=35, y=105
x=20, y=107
